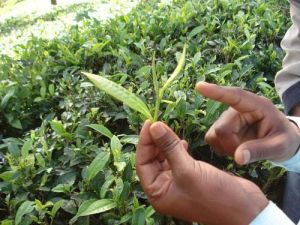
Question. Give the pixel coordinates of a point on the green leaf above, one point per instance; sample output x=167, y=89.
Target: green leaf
x=62, y=188
x=58, y=127
x=43, y=91
x=40, y=160
x=130, y=139
x=116, y=148
x=7, y=222
x=26, y=148
x=97, y=164
x=7, y=175
x=14, y=149
x=120, y=94
x=55, y=208
x=16, y=123
x=196, y=31
x=138, y=217
x=67, y=178
x=51, y=89
x=7, y=97
x=176, y=72
x=115, y=144
x=105, y=187
x=92, y=206
x=25, y=208
x=101, y=129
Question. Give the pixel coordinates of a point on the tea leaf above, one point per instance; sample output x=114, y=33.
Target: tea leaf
x=130, y=139
x=97, y=164
x=176, y=71
x=120, y=94
x=92, y=206
x=101, y=129
x=25, y=208
x=55, y=208
x=26, y=148
x=138, y=217
x=196, y=31
x=58, y=127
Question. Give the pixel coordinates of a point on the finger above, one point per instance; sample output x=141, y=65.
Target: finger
x=171, y=146
x=148, y=168
x=237, y=98
x=212, y=140
x=227, y=129
x=265, y=148
x=146, y=151
x=185, y=144
x=145, y=137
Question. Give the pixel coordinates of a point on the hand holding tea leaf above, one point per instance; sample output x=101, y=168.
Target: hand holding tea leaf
x=251, y=129
x=179, y=186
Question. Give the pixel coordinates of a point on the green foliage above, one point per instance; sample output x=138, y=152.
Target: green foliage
x=70, y=150
x=131, y=99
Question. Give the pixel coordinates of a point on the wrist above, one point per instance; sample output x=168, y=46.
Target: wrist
x=258, y=204
x=295, y=121
x=296, y=111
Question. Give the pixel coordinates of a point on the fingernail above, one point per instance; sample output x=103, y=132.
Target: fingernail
x=246, y=156
x=157, y=131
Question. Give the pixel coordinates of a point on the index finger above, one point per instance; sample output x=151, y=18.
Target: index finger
x=146, y=151
x=240, y=100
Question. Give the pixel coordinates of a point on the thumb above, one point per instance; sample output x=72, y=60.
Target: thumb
x=170, y=145
x=260, y=149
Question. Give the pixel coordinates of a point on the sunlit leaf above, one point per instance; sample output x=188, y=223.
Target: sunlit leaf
x=177, y=70
x=120, y=94
x=92, y=206
x=25, y=208
x=101, y=129
x=26, y=148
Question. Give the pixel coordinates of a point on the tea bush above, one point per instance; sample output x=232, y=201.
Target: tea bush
x=69, y=149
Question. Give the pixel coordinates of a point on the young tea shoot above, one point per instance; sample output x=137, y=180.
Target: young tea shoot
x=129, y=98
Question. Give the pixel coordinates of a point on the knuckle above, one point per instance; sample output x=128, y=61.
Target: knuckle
x=221, y=129
x=258, y=155
x=209, y=138
x=266, y=101
x=238, y=90
x=168, y=144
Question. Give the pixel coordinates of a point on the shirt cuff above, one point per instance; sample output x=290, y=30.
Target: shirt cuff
x=271, y=215
x=290, y=97
x=293, y=164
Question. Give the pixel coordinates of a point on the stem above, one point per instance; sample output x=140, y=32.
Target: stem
x=160, y=92
x=157, y=105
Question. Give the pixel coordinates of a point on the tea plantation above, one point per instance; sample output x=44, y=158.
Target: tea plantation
x=68, y=149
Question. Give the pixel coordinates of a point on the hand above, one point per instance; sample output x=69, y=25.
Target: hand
x=179, y=186
x=296, y=110
x=251, y=129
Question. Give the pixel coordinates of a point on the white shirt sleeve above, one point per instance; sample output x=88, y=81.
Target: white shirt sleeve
x=272, y=215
